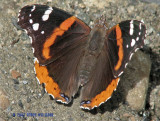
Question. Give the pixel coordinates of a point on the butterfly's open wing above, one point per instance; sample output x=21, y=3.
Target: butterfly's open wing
x=58, y=41
x=120, y=43
x=60, y=76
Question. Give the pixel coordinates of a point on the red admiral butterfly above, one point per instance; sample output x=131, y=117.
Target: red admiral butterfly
x=69, y=55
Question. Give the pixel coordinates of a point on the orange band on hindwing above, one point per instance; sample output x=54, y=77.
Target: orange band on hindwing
x=104, y=95
x=120, y=44
x=59, y=31
x=50, y=85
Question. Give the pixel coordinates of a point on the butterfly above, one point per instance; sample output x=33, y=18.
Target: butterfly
x=70, y=56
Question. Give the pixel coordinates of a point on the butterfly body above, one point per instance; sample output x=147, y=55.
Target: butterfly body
x=92, y=51
x=69, y=54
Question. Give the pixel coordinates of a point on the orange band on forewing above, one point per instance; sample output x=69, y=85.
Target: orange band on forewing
x=120, y=44
x=59, y=31
x=50, y=85
x=67, y=23
x=103, y=96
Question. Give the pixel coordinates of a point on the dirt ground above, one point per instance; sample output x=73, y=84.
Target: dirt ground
x=22, y=98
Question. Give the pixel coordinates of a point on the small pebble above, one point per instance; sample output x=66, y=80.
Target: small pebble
x=25, y=82
x=20, y=103
x=15, y=74
x=82, y=5
x=28, y=99
x=130, y=9
x=4, y=102
x=15, y=81
x=16, y=87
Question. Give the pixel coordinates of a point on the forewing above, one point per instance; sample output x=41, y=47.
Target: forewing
x=52, y=31
x=123, y=40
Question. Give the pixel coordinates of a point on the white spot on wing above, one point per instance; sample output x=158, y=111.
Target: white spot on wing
x=45, y=17
x=42, y=32
x=127, y=46
x=34, y=70
x=115, y=76
x=38, y=80
x=85, y=107
x=18, y=14
x=30, y=21
x=62, y=101
x=35, y=26
x=36, y=60
x=120, y=74
x=33, y=49
x=34, y=7
x=145, y=35
x=137, y=38
x=140, y=26
x=50, y=8
x=131, y=31
x=117, y=85
x=45, y=90
x=126, y=65
x=131, y=28
x=142, y=21
x=51, y=95
x=136, y=49
x=130, y=56
x=46, y=14
x=48, y=11
x=30, y=15
x=133, y=42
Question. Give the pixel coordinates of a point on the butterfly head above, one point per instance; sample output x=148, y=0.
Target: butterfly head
x=101, y=23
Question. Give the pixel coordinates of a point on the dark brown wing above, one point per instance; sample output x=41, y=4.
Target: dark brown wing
x=101, y=83
x=58, y=41
x=60, y=76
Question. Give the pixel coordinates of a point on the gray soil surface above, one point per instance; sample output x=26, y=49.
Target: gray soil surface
x=24, y=96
